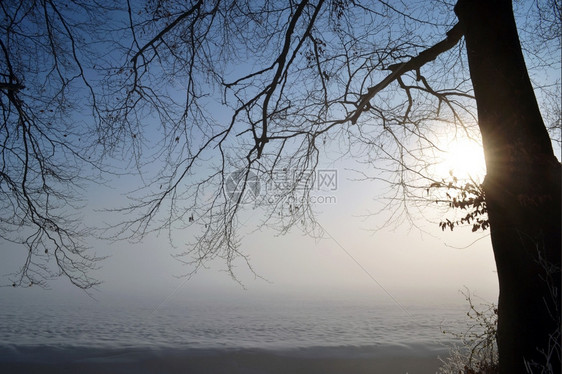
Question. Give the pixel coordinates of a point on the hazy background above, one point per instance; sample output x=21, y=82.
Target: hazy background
x=406, y=264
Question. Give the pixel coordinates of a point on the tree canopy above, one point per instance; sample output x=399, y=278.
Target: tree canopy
x=206, y=97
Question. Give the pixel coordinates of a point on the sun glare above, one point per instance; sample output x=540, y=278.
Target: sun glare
x=462, y=158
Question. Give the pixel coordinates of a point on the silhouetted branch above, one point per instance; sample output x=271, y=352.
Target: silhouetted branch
x=415, y=63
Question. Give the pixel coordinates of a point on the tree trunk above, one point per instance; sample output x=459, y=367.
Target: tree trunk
x=522, y=188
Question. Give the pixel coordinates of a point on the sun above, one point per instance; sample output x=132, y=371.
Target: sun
x=462, y=158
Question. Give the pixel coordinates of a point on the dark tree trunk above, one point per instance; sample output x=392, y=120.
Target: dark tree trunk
x=522, y=187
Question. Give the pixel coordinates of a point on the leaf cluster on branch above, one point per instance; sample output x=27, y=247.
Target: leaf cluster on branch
x=468, y=196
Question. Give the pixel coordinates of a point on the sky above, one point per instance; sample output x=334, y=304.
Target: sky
x=400, y=264
x=404, y=264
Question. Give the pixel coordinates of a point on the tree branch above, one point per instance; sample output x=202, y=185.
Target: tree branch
x=165, y=30
x=430, y=54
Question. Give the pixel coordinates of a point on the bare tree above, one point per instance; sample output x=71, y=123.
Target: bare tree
x=292, y=80
x=227, y=96
x=298, y=75
x=46, y=95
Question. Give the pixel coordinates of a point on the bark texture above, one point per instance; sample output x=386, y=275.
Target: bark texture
x=522, y=187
